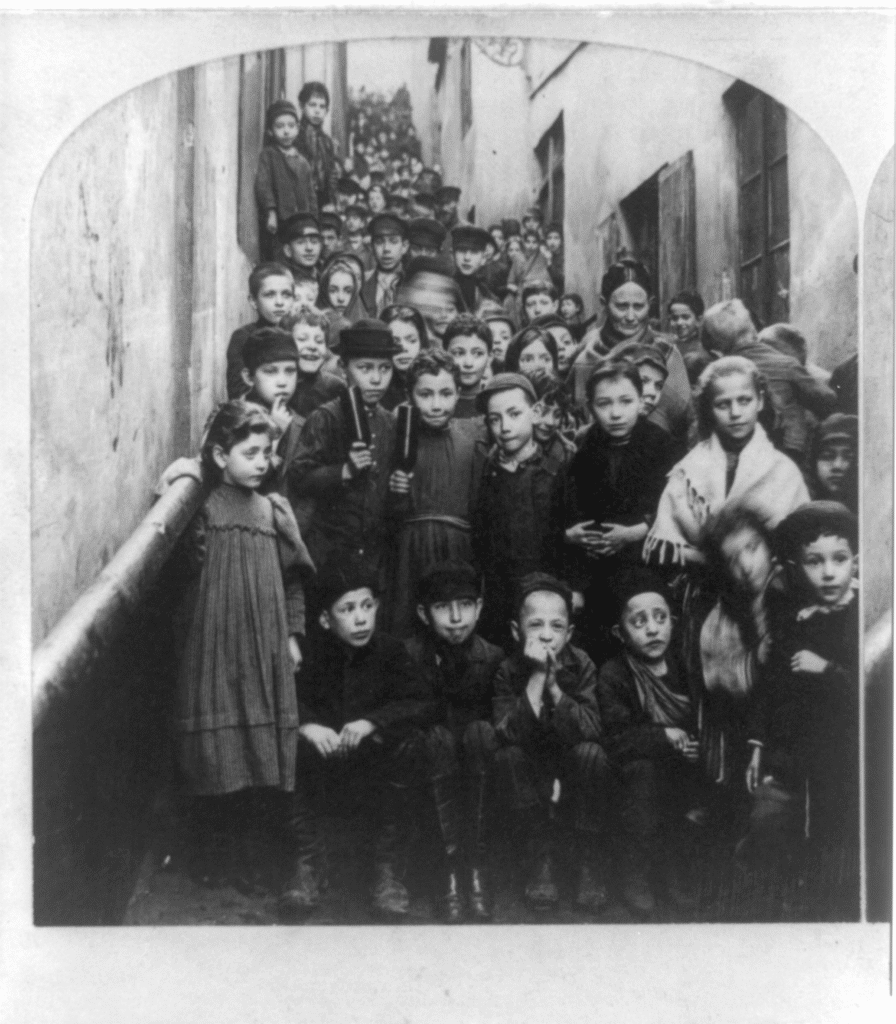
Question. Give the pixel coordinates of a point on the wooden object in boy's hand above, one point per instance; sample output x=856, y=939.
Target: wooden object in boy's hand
x=355, y=416
x=408, y=429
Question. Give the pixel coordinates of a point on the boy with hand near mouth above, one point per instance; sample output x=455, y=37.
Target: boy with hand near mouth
x=649, y=718
x=548, y=727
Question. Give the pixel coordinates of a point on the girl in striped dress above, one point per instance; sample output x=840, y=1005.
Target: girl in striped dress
x=236, y=720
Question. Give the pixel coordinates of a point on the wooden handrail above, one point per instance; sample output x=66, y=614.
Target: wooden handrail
x=88, y=629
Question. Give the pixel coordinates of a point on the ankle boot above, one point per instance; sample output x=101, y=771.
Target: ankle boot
x=636, y=891
x=591, y=889
x=389, y=895
x=450, y=902
x=480, y=896
x=541, y=887
x=300, y=895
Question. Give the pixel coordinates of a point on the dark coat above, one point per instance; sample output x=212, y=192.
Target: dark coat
x=319, y=150
x=287, y=188
x=629, y=495
x=378, y=682
x=314, y=391
x=630, y=733
x=474, y=290
x=576, y=717
x=460, y=681
x=368, y=294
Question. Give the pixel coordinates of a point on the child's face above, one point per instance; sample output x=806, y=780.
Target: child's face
x=274, y=380
x=535, y=358
x=616, y=405
x=406, y=335
x=568, y=309
x=652, y=381
x=543, y=625
x=510, y=419
x=328, y=240
x=315, y=110
x=530, y=243
x=274, y=299
x=539, y=305
x=834, y=465
x=471, y=355
x=545, y=421
x=735, y=406
x=312, y=346
x=305, y=250
x=377, y=202
x=553, y=241
x=352, y=618
x=452, y=621
x=501, y=335
x=498, y=238
x=566, y=347
x=340, y=290
x=247, y=462
x=829, y=566
x=388, y=249
x=683, y=322
x=354, y=224
x=285, y=130
x=748, y=557
x=645, y=627
x=530, y=224
x=468, y=260
x=514, y=245
x=435, y=395
x=629, y=307
x=306, y=295
x=371, y=376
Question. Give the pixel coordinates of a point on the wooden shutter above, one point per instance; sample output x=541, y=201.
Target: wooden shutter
x=677, y=228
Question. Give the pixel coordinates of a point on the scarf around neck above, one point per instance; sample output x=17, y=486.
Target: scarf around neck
x=661, y=704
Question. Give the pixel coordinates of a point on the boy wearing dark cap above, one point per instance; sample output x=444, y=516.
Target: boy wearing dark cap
x=362, y=707
x=548, y=728
x=425, y=237
x=330, y=235
x=350, y=481
x=389, y=239
x=804, y=730
x=314, y=144
x=300, y=236
x=348, y=191
x=517, y=522
x=468, y=244
x=648, y=714
x=271, y=295
x=458, y=667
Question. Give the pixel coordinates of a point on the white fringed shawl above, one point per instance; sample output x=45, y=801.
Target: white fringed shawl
x=765, y=478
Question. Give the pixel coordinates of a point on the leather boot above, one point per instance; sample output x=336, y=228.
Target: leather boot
x=591, y=889
x=301, y=893
x=541, y=890
x=636, y=891
x=450, y=903
x=389, y=895
x=480, y=896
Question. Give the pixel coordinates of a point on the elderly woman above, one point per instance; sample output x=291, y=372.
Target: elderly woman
x=625, y=293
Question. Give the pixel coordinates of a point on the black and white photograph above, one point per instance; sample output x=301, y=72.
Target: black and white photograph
x=451, y=514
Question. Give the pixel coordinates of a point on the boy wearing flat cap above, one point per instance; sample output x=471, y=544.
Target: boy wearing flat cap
x=425, y=237
x=389, y=239
x=458, y=667
x=300, y=235
x=352, y=482
x=517, y=522
x=468, y=244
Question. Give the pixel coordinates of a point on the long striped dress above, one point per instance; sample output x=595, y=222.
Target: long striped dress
x=236, y=718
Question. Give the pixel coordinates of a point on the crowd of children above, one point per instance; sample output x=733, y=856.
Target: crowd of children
x=469, y=555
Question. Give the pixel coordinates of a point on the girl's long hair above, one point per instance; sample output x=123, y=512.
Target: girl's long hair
x=409, y=315
x=323, y=298
x=727, y=366
x=229, y=424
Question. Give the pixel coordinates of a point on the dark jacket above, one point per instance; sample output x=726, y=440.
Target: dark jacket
x=613, y=485
x=349, y=515
x=575, y=719
x=792, y=389
x=368, y=293
x=287, y=188
x=319, y=150
x=630, y=732
x=474, y=290
x=460, y=680
x=378, y=682
x=314, y=391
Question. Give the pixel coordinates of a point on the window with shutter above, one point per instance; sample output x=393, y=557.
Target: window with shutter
x=466, y=87
x=677, y=229
x=550, y=152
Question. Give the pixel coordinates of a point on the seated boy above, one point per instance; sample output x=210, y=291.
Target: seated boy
x=271, y=294
x=349, y=480
x=300, y=237
x=805, y=724
x=468, y=341
x=548, y=727
x=458, y=668
x=362, y=706
x=517, y=520
x=649, y=719
x=539, y=298
x=468, y=243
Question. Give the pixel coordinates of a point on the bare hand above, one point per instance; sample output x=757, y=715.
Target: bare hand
x=615, y=537
x=806, y=661
x=271, y=224
x=537, y=653
x=681, y=742
x=360, y=457
x=753, y=770
x=400, y=482
x=352, y=734
x=323, y=739
x=578, y=601
x=280, y=413
x=550, y=683
x=583, y=536
x=295, y=653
